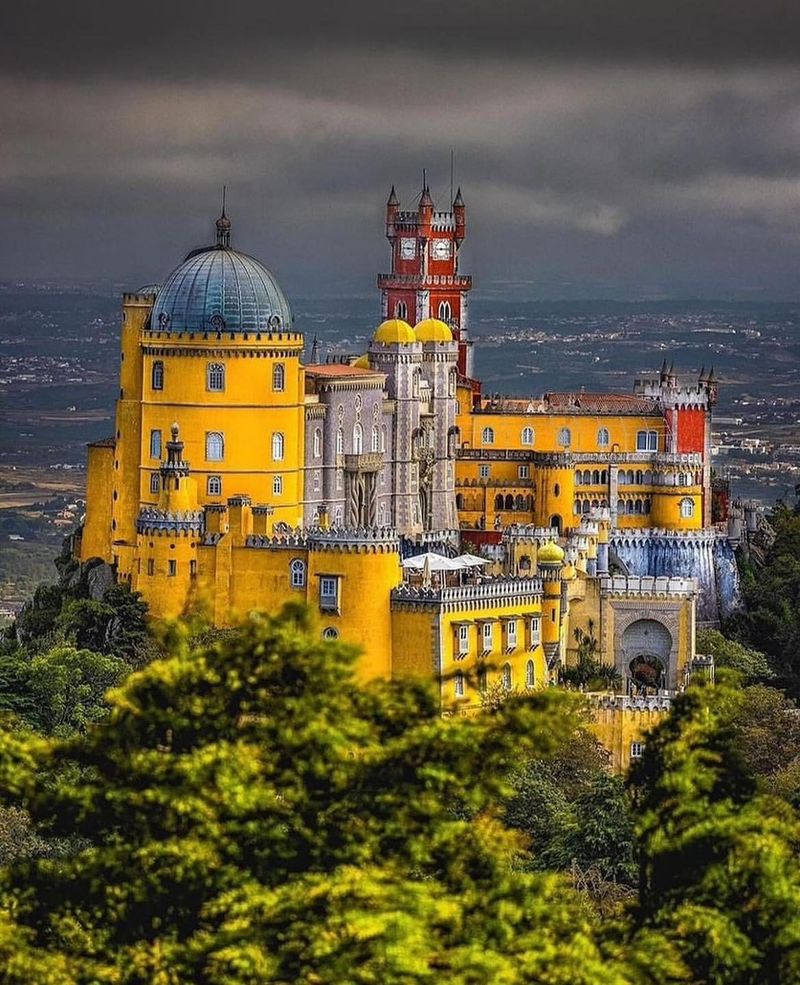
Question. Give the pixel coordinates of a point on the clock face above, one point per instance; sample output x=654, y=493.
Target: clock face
x=408, y=249
x=440, y=249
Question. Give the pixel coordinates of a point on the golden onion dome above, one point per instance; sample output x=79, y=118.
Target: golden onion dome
x=394, y=330
x=362, y=362
x=550, y=553
x=433, y=330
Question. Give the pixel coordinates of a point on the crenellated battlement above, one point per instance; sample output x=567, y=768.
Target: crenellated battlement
x=370, y=540
x=498, y=590
x=154, y=521
x=647, y=585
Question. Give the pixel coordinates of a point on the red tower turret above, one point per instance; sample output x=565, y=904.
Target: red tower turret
x=424, y=281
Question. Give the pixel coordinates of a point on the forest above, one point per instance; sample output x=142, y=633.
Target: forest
x=209, y=807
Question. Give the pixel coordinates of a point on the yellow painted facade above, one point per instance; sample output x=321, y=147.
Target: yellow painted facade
x=199, y=499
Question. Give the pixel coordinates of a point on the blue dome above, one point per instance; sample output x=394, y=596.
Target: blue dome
x=217, y=289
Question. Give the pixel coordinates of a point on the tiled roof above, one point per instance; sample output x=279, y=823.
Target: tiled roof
x=103, y=443
x=599, y=403
x=333, y=370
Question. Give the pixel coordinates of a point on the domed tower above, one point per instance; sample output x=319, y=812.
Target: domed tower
x=214, y=348
x=395, y=351
x=550, y=562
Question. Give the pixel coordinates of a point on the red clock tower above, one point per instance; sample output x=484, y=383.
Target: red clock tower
x=425, y=282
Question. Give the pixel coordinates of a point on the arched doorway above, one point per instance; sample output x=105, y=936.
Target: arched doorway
x=646, y=648
x=555, y=521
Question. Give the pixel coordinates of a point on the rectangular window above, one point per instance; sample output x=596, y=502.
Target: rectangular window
x=155, y=444
x=173, y=568
x=151, y=566
x=463, y=640
x=511, y=634
x=487, y=634
x=154, y=484
x=637, y=748
x=536, y=631
x=524, y=471
x=484, y=471
x=193, y=568
x=459, y=685
x=329, y=593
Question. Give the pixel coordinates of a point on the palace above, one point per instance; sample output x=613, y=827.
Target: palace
x=240, y=477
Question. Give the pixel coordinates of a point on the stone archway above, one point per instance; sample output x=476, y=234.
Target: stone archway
x=647, y=646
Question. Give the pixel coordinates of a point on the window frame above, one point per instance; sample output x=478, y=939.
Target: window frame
x=330, y=601
x=527, y=433
x=278, y=378
x=214, y=480
x=215, y=374
x=156, y=443
x=278, y=446
x=157, y=375
x=297, y=573
x=487, y=436
x=213, y=436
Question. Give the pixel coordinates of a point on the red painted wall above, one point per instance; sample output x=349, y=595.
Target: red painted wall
x=691, y=430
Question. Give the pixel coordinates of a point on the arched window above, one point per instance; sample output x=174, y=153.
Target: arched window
x=157, y=378
x=564, y=436
x=215, y=446
x=277, y=485
x=214, y=485
x=637, y=506
x=155, y=483
x=459, y=501
x=556, y=490
x=687, y=509
x=603, y=438
x=530, y=674
x=507, y=677
x=487, y=436
x=483, y=680
x=297, y=570
x=596, y=477
x=358, y=439
x=519, y=502
x=277, y=447
x=155, y=444
x=215, y=377
x=444, y=310
x=376, y=438
x=646, y=506
x=578, y=478
x=527, y=436
x=604, y=476
x=383, y=438
x=451, y=386
x=415, y=384
x=498, y=502
x=317, y=442
x=586, y=506
x=576, y=507
x=339, y=441
x=278, y=377
x=509, y=502
x=401, y=310
x=458, y=684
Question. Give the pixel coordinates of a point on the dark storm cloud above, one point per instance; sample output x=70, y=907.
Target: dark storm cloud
x=176, y=37
x=621, y=147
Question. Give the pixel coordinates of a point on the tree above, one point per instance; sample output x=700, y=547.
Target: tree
x=719, y=873
x=257, y=816
x=61, y=691
x=751, y=664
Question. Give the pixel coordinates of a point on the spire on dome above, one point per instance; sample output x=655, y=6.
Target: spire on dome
x=393, y=199
x=223, y=226
x=425, y=198
x=702, y=378
x=458, y=201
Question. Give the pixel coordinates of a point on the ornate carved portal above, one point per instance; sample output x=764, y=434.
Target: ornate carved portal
x=361, y=489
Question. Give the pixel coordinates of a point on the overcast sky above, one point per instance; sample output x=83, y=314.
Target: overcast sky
x=635, y=148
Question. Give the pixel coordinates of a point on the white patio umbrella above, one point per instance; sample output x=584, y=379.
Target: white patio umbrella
x=434, y=562
x=471, y=560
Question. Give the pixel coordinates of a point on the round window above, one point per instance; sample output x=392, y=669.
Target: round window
x=330, y=633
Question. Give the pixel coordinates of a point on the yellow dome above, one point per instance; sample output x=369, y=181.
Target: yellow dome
x=394, y=330
x=362, y=362
x=550, y=553
x=433, y=330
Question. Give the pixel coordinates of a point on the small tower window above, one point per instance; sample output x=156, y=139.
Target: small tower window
x=340, y=441
x=172, y=568
x=155, y=444
x=383, y=438
x=277, y=447
x=445, y=313
x=458, y=683
x=215, y=446
x=298, y=573
x=155, y=485
x=157, y=377
x=214, y=485
x=603, y=438
x=507, y=677
x=358, y=439
x=317, y=443
x=687, y=509
x=376, y=438
x=215, y=377
x=530, y=674
x=401, y=310
x=527, y=436
x=278, y=377
x=564, y=436
x=487, y=436
x=277, y=485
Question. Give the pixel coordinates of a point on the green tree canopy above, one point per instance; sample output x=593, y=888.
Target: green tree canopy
x=751, y=664
x=253, y=815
